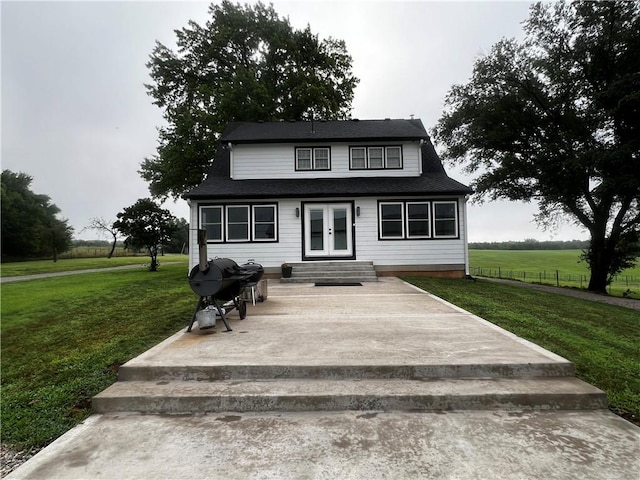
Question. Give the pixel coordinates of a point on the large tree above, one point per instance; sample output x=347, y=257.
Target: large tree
x=245, y=64
x=30, y=224
x=146, y=225
x=555, y=119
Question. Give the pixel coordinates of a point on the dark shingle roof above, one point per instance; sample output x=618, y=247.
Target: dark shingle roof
x=433, y=181
x=336, y=130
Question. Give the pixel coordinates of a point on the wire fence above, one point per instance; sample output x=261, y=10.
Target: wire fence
x=621, y=284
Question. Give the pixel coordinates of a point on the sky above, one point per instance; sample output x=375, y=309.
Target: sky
x=77, y=118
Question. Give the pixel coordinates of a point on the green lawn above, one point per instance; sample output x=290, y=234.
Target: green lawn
x=63, y=339
x=601, y=340
x=540, y=266
x=15, y=269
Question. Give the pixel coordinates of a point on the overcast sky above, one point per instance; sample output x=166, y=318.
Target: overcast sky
x=77, y=118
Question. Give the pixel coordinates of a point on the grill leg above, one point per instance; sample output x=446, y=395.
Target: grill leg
x=222, y=315
x=193, y=317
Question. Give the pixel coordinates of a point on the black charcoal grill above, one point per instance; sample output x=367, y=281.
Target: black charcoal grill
x=219, y=283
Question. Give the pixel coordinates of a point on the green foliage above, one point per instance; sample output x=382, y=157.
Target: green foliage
x=601, y=340
x=180, y=239
x=64, y=338
x=146, y=225
x=556, y=119
x=245, y=64
x=30, y=228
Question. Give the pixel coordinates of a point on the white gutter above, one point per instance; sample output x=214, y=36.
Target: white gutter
x=230, y=145
x=466, y=236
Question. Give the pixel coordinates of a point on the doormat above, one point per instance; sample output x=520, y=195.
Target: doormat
x=338, y=284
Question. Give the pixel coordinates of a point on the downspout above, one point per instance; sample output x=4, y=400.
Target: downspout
x=230, y=145
x=466, y=237
x=420, y=155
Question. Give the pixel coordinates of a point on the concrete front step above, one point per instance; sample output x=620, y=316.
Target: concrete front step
x=332, y=272
x=208, y=373
x=296, y=395
x=329, y=279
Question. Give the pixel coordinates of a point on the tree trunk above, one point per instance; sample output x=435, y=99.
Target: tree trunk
x=153, y=252
x=599, y=263
x=113, y=246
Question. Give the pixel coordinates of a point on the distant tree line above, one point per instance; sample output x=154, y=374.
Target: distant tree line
x=531, y=244
x=31, y=227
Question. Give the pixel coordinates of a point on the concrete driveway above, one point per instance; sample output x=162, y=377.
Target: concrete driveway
x=381, y=381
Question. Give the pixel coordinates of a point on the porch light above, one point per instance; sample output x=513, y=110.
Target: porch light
x=357, y=211
x=297, y=212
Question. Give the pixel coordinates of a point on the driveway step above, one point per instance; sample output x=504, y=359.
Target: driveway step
x=297, y=395
x=131, y=372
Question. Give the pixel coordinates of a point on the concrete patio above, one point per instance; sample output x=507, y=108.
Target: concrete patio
x=377, y=381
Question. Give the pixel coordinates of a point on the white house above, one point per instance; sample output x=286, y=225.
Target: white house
x=313, y=191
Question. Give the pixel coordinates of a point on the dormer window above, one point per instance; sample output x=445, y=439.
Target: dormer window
x=313, y=158
x=375, y=157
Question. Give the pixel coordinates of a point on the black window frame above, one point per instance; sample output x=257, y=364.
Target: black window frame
x=431, y=202
x=367, y=157
x=312, y=151
x=224, y=207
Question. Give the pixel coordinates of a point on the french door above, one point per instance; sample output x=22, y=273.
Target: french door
x=328, y=230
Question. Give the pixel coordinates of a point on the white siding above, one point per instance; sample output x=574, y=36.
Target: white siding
x=430, y=252
x=278, y=161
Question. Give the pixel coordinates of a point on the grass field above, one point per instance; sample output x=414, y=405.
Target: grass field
x=540, y=266
x=63, y=339
x=601, y=340
x=15, y=269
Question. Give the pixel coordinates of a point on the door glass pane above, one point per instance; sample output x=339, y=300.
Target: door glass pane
x=340, y=229
x=316, y=224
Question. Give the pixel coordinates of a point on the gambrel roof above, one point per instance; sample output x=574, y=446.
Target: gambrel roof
x=433, y=181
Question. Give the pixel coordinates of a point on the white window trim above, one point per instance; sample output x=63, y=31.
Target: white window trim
x=428, y=204
x=226, y=224
x=275, y=223
x=312, y=154
x=203, y=225
x=367, y=157
x=455, y=218
x=402, y=220
x=386, y=157
x=351, y=149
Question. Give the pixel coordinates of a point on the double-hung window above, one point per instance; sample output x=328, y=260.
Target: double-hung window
x=237, y=223
x=358, y=158
x=264, y=223
x=391, y=220
x=375, y=157
x=418, y=225
x=393, y=157
x=240, y=223
x=313, y=158
x=211, y=220
x=445, y=219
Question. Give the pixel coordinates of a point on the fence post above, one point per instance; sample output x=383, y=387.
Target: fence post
x=557, y=279
x=499, y=273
